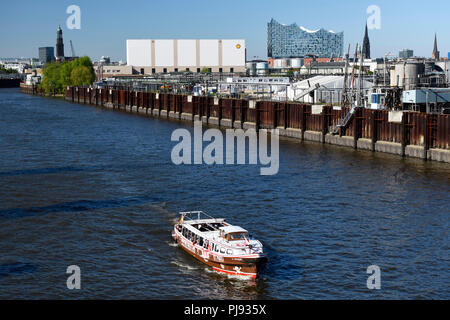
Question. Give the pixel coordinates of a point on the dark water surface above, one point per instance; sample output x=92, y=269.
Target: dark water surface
x=94, y=188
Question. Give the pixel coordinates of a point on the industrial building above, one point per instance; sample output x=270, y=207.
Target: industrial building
x=292, y=41
x=427, y=99
x=17, y=66
x=257, y=68
x=323, y=89
x=254, y=87
x=414, y=73
x=323, y=68
x=108, y=71
x=152, y=56
x=416, y=84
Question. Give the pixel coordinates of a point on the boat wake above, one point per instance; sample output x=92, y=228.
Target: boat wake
x=239, y=278
x=172, y=244
x=184, y=266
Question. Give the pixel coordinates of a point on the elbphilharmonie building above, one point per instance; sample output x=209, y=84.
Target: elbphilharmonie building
x=292, y=41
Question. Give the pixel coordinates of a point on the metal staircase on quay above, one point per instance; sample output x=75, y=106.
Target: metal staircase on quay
x=344, y=121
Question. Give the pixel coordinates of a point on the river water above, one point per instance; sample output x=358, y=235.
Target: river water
x=96, y=188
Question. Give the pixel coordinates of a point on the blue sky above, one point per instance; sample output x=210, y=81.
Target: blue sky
x=105, y=25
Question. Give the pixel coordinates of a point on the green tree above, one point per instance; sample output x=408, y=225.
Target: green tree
x=57, y=76
x=7, y=71
x=51, y=81
x=81, y=75
x=66, y=72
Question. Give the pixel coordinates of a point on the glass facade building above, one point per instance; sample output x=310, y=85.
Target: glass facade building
x=405, y=54
x=46, y=54
x=292, y=41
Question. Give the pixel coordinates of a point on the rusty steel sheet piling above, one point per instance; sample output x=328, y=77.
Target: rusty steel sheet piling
x=415, y=135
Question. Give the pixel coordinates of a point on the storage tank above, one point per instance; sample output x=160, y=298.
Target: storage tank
x=296, y=63
x=262, y=65
x=413, y=70
x=251, y=68
x=262, y=68
x=285, y=63
x=277, y=64
x=407, y=72
x=281, y=63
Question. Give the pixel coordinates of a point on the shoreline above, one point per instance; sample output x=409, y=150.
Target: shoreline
x=243, y=114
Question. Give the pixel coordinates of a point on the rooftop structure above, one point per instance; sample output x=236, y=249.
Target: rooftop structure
x=293, y=42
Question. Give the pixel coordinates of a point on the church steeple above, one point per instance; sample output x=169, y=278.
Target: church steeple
x=436, y=53
x=366, y=44
x=59, y=45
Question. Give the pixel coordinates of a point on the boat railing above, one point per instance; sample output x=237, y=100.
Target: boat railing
x=190, y=215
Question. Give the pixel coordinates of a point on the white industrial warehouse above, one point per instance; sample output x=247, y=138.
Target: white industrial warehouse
x=180, y=55
x=328, y=89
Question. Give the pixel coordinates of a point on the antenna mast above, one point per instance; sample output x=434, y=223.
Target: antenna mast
x=360, y=91
x=344, y=98
x=353, y=72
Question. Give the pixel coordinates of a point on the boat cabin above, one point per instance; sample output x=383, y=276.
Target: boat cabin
x=233, y=233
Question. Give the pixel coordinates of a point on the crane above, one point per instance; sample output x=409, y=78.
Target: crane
x=72, y=49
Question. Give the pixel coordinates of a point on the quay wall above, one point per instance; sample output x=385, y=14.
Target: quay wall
x=407, y=134
x=9, y=83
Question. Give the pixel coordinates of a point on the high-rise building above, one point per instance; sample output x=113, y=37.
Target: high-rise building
x=46, y=54
x=366, y=44
x=59, y=45
x=293, y=41
x=436, y=53
x=406, y=54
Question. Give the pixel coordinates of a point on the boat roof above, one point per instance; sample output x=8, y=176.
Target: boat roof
x=232, y=229
x=202, y=221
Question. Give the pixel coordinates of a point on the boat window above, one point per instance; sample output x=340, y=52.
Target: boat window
x=200, y=243
x=230, y=252
x=216, y=249
x=222, y=250
x=236, y=236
